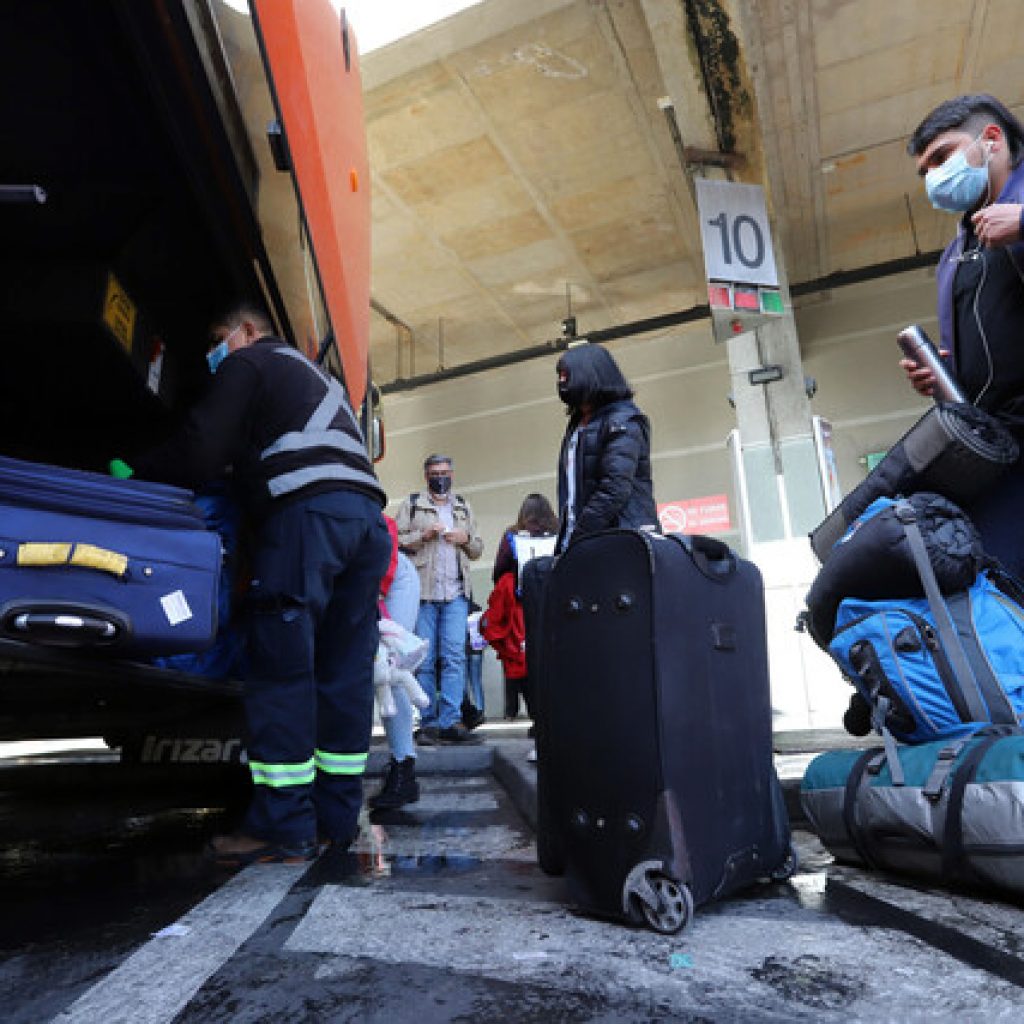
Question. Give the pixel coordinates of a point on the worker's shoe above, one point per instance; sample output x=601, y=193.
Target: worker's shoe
x=240, y=850
x=400, y=786
x=456, y=733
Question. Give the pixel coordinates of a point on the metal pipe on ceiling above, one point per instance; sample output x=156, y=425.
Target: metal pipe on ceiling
x=401, y=328
x=838, y=279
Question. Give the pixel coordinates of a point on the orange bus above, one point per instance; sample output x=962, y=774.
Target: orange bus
x=160, y=160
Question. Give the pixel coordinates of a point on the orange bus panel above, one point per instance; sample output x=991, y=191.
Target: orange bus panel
x=315, y=74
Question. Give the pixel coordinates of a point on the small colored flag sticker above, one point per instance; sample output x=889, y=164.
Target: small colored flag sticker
x=771, y=301
x=746, y=299
x=719, y=296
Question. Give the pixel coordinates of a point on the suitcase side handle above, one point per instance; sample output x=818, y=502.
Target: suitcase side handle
x=713, y=558
x=42, y=554
x=63, y=623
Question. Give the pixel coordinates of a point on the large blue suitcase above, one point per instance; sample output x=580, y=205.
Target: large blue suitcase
x=119, y=565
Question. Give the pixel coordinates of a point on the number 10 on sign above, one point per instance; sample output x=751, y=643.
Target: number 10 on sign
x=735, y=233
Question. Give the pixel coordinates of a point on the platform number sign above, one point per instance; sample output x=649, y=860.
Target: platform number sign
x=735, y=233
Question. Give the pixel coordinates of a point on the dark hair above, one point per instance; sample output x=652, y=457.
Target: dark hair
x=234, y=315
x=594, y=377
x=970, y=113
x=435, y=460
x=536, y=515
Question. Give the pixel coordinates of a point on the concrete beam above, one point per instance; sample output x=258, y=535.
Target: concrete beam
x=460, y=32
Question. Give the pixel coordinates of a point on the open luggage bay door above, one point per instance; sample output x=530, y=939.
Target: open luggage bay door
x=312, y=62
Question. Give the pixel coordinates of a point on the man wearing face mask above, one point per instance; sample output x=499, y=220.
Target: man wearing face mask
x=438, y=532
x=969, y=150
x=298, y=459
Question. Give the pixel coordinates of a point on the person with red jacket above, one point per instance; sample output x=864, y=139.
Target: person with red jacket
x=502, y=624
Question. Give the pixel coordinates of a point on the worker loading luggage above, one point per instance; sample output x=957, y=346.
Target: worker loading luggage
x=305, y=482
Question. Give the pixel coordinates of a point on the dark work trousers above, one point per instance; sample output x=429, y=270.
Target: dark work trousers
x=309, y=688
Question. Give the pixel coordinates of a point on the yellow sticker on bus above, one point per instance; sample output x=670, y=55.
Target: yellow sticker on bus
x=119, y=313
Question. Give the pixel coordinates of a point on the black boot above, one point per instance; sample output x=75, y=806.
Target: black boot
x=400, y=786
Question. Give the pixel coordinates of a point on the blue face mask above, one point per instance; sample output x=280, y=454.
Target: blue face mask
x=220, y=352
x=956, y=186
x=217, y=355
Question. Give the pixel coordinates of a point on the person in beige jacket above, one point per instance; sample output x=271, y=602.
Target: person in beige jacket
x=437, y=531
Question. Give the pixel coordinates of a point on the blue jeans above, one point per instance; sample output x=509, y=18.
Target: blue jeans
x=403, y=605
x=443, y=625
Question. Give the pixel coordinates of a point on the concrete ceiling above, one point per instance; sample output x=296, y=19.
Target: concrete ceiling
x=518, y=152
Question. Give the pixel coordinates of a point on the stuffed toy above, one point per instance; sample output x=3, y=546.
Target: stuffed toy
x=399, y=654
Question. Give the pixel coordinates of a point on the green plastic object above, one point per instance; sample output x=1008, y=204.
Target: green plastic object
x=120, y=469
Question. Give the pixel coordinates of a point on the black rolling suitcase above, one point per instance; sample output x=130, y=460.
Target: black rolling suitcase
x=656, y=786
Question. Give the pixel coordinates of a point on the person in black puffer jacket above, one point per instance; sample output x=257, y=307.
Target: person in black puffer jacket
x=604, y=469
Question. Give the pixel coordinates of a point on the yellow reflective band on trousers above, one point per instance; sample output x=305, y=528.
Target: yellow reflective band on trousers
x=340, y=764
x=279, y=776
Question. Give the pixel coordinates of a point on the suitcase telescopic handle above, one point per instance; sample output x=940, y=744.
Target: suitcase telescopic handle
x=63, y=625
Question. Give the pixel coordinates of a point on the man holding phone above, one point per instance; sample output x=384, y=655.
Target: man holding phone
x=438, y=533
x=969, y=152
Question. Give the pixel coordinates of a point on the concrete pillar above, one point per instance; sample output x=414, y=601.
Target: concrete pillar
x=780, y=462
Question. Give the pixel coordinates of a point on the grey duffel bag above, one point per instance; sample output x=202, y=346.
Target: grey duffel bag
x=951, y=811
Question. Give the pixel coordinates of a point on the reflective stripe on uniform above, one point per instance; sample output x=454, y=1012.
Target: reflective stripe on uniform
x=297, y=440
x=277, y=776
x=340, y=764
x=284, y=483
x=335, y=401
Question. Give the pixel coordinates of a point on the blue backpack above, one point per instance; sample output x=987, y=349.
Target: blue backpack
x=935, y=667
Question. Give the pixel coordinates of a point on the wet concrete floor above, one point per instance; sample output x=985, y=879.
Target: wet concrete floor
x=112, y=913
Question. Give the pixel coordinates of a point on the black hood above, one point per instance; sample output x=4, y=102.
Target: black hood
x=592, y=377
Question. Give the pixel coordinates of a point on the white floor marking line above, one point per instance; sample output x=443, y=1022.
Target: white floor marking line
x=157, y=981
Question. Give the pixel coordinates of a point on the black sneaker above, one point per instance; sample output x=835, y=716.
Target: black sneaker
x=426, y=736
x=400, y=786
x=456, y=733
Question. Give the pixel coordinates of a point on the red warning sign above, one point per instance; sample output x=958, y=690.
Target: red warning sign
x=696, y=515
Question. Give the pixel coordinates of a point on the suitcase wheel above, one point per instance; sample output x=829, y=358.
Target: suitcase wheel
x=787, y=869
x=649, y=895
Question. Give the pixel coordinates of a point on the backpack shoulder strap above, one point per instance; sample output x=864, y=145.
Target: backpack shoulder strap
x=964, y=675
